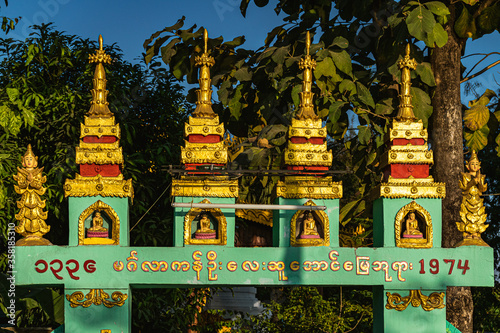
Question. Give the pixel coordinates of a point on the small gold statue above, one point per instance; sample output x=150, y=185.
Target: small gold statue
x=97, y=223
x=204, y=232
x=412, y=230
x=99, y=105
x=31, y=216
x=309, y=230
x=472, y=213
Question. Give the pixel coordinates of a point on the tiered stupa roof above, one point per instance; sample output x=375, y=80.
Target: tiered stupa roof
x=99, y=154
x=307, y=146
x=407, y=161
x=204, y=144
x=204, y=133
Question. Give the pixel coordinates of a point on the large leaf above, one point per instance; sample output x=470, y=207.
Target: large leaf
x=384, y=107
x=364, y=134
x=421, y=104
x=438, y=8
x=439, y=36
x=477, y=140
x=420, y=22
x=478, y=113
x=344, y=212
x=342, y=61
x=424, y=70
x=364, y=95
x=465, y=26
x=324, y=68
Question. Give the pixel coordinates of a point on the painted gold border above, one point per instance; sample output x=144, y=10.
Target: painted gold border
x=414, y=190
x=108, y=156
x=309, y=188
x=113, y=130
x=204, y=129
x=98, y=185
x=220, y=188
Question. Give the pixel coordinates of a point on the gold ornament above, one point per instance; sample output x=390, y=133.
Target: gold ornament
x=218, y=186
x=261, y=216
x=31, y=216
x=306, y=108
x=204, y=103
x=99, y=185
x=416, y=298
x=472, y=210
x=96, y=297
x=298, y=188
x=99, y=105
x=405, y=112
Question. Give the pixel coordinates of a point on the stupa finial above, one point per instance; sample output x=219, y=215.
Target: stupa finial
x=99, y=104
x=405, y=112
x=204, y=103
x=306, y=108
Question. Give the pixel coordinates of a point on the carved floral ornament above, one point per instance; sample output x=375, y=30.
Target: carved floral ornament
x=416, y=298
x=217, y=215
x=320, y=217
x=420, y=213
x=96, y=297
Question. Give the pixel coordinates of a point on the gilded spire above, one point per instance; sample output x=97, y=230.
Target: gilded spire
x=99, y=104
x=405, y=112
x=204, y=103
x=306, y=108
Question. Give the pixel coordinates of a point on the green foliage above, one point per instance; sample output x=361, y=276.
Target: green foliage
x=480, y=126
x=305, y=310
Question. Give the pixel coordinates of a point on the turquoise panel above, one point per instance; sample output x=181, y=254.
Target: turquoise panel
x=78, y=204
x=95, y=318
x=384, y=215
x=412, y=319
x=394, y=268
x=180, y=213
x=282, y=220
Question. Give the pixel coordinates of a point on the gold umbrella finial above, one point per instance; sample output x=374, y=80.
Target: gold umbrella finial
x=405, y=112
x=99, y=104
x=204, y=103
x=306, y=108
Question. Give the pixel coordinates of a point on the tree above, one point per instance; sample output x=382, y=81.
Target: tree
x=358, y=45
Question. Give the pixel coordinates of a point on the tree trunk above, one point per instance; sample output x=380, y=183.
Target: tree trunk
x=447, y=144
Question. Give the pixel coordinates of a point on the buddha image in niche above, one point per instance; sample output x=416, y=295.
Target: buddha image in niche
x=308, y=226
x=412, y=229
x=204, y=230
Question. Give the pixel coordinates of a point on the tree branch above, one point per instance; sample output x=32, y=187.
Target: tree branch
x=481, y=71
x=485, y=56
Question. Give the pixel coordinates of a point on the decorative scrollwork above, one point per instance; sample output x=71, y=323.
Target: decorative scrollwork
x=96, y=297
x=416, y=298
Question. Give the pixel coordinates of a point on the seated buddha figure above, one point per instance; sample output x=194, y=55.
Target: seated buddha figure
x=204, y=231
x=412, y=230
x=309, y=227
x=97, y=229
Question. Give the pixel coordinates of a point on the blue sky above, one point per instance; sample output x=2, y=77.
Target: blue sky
x=128, y=23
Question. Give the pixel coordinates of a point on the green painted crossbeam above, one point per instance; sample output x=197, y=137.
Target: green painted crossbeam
x=86, y=267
